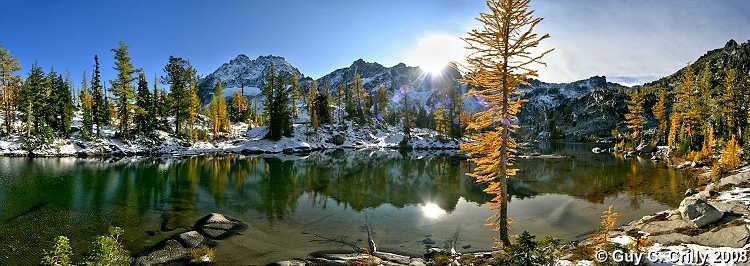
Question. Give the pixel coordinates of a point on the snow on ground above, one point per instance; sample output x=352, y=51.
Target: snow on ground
x=242, y=139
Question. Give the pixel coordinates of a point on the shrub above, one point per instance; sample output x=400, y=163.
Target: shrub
x=60, y=253
x=108, y=250
x=201, y=255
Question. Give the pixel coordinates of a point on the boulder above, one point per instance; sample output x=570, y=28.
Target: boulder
x=162, y=253
x=190, y=239
x=338, y=139
x=698, y=213
x=645, y=148
x=683, y=165
x=734, y=180
x=731, y=206
x=735, y=237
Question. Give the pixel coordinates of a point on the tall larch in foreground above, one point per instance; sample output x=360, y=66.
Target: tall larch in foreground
x=499, y=62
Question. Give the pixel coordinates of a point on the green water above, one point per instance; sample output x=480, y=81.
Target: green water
x=296, y=205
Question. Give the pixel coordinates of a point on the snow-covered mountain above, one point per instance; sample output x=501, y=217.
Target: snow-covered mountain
x=243, y=73
x=591, y=106
x=572, y=109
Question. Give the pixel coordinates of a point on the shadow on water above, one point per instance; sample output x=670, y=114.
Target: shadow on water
x=407, y=196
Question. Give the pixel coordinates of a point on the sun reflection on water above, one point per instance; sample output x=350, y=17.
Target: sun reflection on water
x=432, y=210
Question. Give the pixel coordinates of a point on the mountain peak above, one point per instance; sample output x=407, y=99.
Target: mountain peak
x=244, y=74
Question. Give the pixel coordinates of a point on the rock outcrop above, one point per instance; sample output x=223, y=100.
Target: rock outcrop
x=699, y=213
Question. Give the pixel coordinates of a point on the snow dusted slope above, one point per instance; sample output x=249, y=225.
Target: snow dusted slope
x=244, y=72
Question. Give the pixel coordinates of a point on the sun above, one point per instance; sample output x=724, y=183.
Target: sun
x=433, y=52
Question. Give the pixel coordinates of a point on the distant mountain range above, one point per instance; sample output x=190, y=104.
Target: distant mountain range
x=573, y=110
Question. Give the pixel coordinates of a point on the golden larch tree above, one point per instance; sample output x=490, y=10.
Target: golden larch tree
x=501, y=59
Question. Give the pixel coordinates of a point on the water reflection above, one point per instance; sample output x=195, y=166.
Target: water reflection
x=81, y=196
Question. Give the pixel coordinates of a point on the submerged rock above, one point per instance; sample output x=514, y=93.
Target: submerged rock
x=217, y=226
x=191, y=239
x=698, y=213
x=165, y=252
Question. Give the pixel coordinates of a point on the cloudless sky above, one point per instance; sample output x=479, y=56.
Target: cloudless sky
x=627, y=41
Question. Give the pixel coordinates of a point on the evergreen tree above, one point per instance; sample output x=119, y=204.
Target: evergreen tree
x=499, y=62
x=381, y=102
x=31, y=100
x=10, y=84
x=53, y=104
x=296, y=93
x=339, y=102
x=408, y=115
x=268, y=93
x=279, y=112
x=87, y=106
x=322, y=108
x=100, y=108
x=122, y=89
x=179, y=100
x=144, y=109
x=312, y=94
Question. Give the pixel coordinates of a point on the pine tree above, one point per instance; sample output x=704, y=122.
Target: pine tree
x=279, y=112
x=10, y=85
x=100, y=108
x=499, y=62
x=381, y=102
x=268, y=93
x=53, y=103
x=144, y=112
x=87, y=106
x=122, y=89
x=31, y=99
x=296, y=93
x=179, y=100
x=312, y=94
x=339, y=102
x=68, y=108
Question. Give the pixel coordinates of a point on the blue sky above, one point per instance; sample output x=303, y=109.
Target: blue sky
x=635, y=41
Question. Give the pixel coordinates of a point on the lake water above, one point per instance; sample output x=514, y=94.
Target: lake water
x=298, y=205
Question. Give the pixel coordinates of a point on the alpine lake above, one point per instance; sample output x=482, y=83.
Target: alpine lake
x=296, y=205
